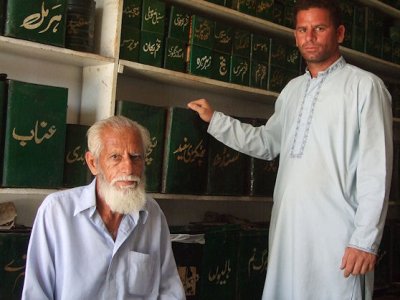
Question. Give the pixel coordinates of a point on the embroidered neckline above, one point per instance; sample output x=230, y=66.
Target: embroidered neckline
x=301, y=133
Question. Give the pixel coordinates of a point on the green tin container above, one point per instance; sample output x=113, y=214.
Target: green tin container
x=247, y=7
x=223, y=37
x=252, y=263
x=259, y=74
x=13, y=250
x=199, y=61
x=130, y=43
x=151, y=48
x=132, y=13
x=80, y=25
x=220, y=263
x=240, y=70
x=37, y=21
x=221, y=63
x=264, y=9
x=260, y=48
x=202, y=32
x=153, y=16
x=241, y=45
x=76, y=171
x=175, y=55
x=285, y=55
x=178, y=23
x=278, y=77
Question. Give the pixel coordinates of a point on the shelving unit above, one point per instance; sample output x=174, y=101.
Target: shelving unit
x=96, y=80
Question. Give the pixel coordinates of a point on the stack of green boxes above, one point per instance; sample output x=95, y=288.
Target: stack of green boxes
x=370, y=31
x=130, y=30
x=13, y=249
x=142, y=32
x=240, y=59
x=260, y=61
x=177, y=38
x=152, y=33
x=284, y=64
x=223, y=36
x=230, y=263
x=200, y=47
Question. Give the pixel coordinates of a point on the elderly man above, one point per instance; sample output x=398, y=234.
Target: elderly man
x=107, y=240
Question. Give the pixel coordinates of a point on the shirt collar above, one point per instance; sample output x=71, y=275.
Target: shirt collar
x=87, y=201
x=338, y=64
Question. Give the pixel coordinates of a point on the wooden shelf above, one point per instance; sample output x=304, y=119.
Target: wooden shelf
x=51, y=53
x=382, y=7
x=134, y=69
x=159, y=196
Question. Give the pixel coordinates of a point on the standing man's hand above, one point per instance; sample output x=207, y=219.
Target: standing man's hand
x=357, y=262
x=203, y=108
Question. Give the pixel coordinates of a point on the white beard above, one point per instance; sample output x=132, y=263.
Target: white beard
x=129, y=199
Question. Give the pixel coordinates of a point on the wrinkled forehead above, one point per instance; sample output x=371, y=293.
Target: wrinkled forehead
x=127, y=138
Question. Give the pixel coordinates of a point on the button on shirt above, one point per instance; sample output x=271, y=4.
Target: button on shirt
x=72, y=255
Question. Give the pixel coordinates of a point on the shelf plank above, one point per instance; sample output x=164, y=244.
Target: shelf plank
x=135, y=69
x=159, y=196
x=382, y=7
x=371, y=63
x=235, y=18
x=51, y=53
x=12, y=193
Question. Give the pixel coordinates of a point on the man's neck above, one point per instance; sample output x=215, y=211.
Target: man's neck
x=315, y=68
x=111, y=219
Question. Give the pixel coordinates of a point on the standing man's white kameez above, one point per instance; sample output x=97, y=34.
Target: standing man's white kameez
x=332, y=129
x=333, y=179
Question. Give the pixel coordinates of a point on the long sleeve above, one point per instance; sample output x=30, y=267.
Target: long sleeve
x=40, y=273
x=262, y=142
x=374, y=165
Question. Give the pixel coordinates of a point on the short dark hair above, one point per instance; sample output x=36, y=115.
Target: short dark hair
x=332, y=6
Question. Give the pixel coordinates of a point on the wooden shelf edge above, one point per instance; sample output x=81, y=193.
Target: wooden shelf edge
x=133, y=69
x=26, y=191
x=382, y=7
x=51, y=53
x=185, y=197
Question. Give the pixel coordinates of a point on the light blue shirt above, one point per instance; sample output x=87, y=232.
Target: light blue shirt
x=71, y=254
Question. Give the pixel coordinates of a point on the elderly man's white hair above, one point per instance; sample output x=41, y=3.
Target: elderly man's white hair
x=116, y=123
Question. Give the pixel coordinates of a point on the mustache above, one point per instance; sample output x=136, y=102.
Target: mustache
x=135, y=179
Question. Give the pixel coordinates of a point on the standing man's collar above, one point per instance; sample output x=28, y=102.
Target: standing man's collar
x=338, y=64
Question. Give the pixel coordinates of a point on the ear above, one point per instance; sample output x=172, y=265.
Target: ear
x=91, y=162
x=340, y=32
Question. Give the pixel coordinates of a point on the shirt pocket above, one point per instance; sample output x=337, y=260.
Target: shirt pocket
x=140, y=273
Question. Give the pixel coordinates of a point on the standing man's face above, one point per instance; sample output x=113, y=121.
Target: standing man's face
x=317, y=38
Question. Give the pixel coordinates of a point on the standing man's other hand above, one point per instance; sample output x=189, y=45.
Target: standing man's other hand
x=357, y=262
x=203, y=108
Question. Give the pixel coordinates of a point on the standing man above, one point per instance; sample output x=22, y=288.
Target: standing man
x=107, y=240
x=332, y=127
